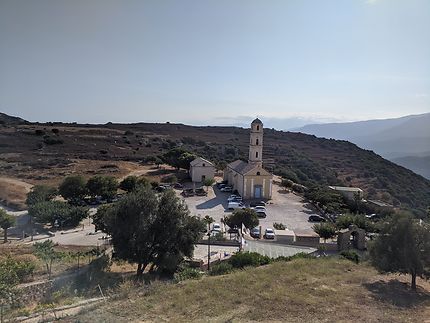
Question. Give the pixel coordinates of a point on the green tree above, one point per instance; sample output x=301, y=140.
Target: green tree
x=208, y=182
x=325, y=230
x=403, y=246
x=287, y=183
x=100, y=218
x=247, y=217
x=131, y=183
x=104, y=186
x=45, y=251
x=40, y=193
x=178, y=158
x=73, y=188
x=57, y=211
x=150, y=230
x=6, y=221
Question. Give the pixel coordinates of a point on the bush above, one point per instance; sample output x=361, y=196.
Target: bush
x=279, y=226
x=245, y=259
x=350, y=255
x=222, y=268
x=52, y=141
x=187, y=273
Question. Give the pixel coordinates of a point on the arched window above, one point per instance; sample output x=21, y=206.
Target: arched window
x=256, y=141
x=258, y=173
x=256, y=154
x=204, y=164
x=258, y=128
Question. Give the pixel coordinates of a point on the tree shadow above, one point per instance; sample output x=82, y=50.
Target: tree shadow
x=397, y=293
x=219, y=199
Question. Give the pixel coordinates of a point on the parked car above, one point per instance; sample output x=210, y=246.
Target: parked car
x=234, y=197
x=316, y=218
x=257, y=203
x=178, y=186
x=235, y=205
x=226, y=189
x=260, y=208
x=216, y=227
x=221, y=184
x=201, y=192
x=255, y=233
x=269, y=234
x=260, y=213
x=188, y=192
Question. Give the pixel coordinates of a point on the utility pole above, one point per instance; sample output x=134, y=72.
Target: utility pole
x=209, y=220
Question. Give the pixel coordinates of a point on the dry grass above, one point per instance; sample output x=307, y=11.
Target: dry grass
x=323, y=290
x=13, y=192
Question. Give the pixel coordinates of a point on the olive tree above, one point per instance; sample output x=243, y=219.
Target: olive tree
x=404, y=247
x=247, y=217
x=6, y=221
x=325, y=230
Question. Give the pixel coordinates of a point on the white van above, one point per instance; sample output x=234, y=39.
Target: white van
x=235, y=205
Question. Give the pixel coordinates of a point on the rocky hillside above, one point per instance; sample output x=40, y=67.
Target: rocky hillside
x=303, y=158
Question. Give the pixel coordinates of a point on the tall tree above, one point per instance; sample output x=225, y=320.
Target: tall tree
x=247, y=217
x=150, y=230
x=403, y=246
x=73, y=188
x=40, y=193
x=104, y=186
x=6, y=221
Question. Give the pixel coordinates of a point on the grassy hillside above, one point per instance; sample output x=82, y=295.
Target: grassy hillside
x=304, y=290
x=27, y=148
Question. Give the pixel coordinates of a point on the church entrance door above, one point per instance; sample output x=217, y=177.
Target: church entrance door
x=257, y=192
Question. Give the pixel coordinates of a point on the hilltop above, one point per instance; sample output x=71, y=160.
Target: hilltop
x=304, y=290
x=39, y=152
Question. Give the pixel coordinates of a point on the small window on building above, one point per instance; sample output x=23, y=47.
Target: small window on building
x=204, y=164
x=256, y=154
x=256, y=141
x=258, y=173
x=258, y=128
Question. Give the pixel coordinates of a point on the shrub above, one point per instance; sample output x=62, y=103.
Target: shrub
x=350, y=255
x=222, y=268
x=187, y=273
x=39, y=132
x=52, y=141
x=245, y=259
x=279, y=226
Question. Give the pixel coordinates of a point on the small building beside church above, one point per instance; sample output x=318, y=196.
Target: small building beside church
x=201, y=169
x=250, y=179
x=351, y=193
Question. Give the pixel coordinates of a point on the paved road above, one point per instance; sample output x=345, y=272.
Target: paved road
x=286, y=208
x=274, y=250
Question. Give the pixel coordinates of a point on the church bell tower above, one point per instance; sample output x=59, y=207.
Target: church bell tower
x=256, y=143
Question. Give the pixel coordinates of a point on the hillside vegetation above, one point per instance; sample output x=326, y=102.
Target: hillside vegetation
x=304, y=290
x=27, y=149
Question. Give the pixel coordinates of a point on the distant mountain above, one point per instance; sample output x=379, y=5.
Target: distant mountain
x=404, y=140
x=7, y=119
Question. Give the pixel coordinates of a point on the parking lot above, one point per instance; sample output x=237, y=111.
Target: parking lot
x=286, y=208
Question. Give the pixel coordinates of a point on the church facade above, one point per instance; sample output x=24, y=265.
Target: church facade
x=250, y=179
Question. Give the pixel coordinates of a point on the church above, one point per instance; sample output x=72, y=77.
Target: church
x=250, y=179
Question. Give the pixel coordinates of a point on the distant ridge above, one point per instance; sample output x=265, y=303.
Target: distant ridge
x=7, y=119
x=405, y=140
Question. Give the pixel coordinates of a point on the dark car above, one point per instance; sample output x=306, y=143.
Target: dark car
x=255, y=233
x=178, y=186
x=316, y=218
x=260, y=213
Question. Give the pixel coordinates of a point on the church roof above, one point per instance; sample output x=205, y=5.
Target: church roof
x=256, y=120
x=241, y=167
x=200, y=160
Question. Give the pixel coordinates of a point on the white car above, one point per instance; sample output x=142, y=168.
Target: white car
x=235, y=205
x=235, y=198
x=226, y=189
x=269, y=234
x=216, y=227
x=260, y=209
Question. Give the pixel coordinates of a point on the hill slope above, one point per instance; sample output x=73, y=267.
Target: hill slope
x=391, y=138
x=26, y=149
x=312, y=290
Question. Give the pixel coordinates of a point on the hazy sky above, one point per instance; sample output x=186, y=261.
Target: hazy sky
x=214, y=62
